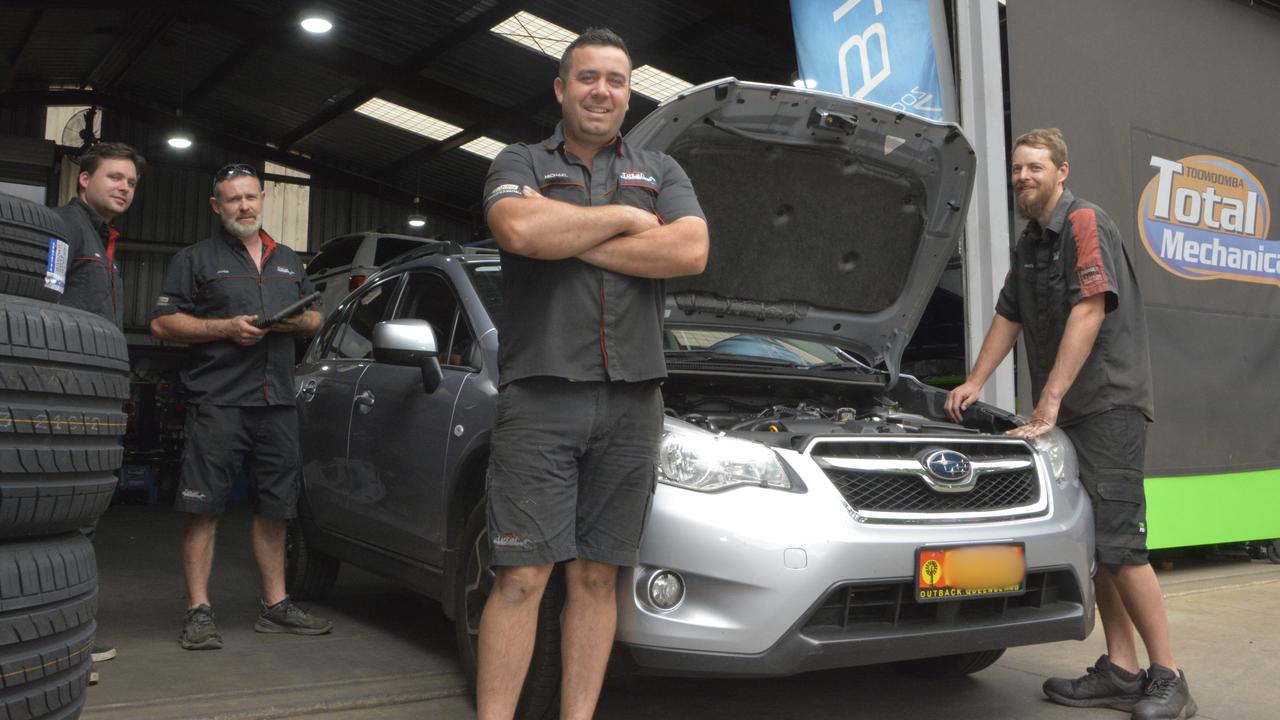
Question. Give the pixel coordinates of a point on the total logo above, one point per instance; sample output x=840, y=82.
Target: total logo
x=1205, y=217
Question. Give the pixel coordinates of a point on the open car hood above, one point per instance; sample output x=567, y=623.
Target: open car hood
x=831, y=219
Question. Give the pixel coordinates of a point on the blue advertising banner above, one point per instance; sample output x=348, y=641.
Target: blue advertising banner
x=882, y=51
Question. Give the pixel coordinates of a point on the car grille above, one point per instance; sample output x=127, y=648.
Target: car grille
x=898, y=493
x=871, y=609
x=887, y=480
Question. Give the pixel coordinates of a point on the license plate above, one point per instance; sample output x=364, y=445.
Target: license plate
x=969, y=571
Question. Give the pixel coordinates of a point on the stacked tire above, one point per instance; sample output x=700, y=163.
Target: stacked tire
x=64, y=375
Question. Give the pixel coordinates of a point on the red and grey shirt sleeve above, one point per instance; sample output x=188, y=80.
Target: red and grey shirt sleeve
x=510, y=171
x=1097, y=245
x=676, y=198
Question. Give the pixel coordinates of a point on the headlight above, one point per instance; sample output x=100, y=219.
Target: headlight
x=695, y=459
x=1058, y=455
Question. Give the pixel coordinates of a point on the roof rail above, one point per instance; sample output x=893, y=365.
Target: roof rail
x=430, y=247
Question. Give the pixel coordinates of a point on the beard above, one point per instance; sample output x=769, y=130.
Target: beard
x=1032, y=206
x=242, y=230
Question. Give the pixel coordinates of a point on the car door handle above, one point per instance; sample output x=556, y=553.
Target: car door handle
x=308, y=390
x=365, y=401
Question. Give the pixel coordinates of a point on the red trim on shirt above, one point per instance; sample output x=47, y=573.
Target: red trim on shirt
x=1089, y=267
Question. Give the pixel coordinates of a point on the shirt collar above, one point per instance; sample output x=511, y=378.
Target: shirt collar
x=556, y=141
x=268, y=242
x=102, y=226
x=1059, y=216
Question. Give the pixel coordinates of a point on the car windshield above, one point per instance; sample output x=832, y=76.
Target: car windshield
x=487, y=279
x=693, y=345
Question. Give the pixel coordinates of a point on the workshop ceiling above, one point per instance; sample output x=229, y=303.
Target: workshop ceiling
x=248, y=79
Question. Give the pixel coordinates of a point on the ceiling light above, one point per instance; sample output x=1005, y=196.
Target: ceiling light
x=485, y=147
x=417, y=221
x=316, y=22
x=406, y=119
x=179, y=140
x=657, y=84
x=536, y=34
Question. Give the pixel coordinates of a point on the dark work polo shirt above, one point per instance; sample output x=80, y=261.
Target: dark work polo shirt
x=1079, y=255
x=93, y=276
x=216, y=278
x=568, y=319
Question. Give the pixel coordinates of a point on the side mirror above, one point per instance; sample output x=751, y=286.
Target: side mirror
x=410, y=343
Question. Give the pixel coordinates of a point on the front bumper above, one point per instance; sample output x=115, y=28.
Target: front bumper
x=779, y=582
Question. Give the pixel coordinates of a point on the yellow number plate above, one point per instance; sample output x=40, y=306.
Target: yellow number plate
x=969, y=571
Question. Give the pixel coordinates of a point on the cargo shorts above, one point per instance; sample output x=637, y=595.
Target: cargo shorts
x=572, y=468
x=222, y=442
x=1111, y=447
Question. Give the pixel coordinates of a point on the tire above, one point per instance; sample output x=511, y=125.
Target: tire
x=48, y=598
x=25, y=230
x=952, y=665
x=1273, y=551
x=64, y=374
x=540, y=696
x=308, y=573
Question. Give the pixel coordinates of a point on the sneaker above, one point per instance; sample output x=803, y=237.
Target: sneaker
x=1167, y=697
x=102, y=653
x=286, y=617
x=198, y=630
x=1101, y=686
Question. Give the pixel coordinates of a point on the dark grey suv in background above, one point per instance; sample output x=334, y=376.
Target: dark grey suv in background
x=814, y=509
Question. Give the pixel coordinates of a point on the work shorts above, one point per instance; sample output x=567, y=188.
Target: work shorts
x=222, y=442
x=1110, y=447
x=572, y=470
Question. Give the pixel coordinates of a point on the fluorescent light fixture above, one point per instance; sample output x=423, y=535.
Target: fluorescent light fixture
x=485, y=147
x=179, y=140
x=536, y=34
x=406, y=119
x=316, y=22
x=657, y=84
x=426, y=126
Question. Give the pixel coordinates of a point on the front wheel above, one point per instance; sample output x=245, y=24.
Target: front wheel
x=308, y=573
x=539, y=699
x=952, y=665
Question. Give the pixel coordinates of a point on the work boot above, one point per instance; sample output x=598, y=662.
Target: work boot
x=198, y=630
x=1102, y=685
x=286, y=617
x=1167, y=697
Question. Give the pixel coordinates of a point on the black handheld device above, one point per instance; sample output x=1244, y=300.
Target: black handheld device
x=287, y=311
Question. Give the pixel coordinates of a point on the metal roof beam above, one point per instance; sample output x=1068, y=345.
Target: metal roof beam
x=121, y=58
x=324, y=174
x=415, y=64
x=26, y=36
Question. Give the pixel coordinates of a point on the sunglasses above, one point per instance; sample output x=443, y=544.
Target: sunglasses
x=229, y=171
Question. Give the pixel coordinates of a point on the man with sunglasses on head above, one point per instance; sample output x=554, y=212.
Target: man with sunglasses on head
x=241, y=413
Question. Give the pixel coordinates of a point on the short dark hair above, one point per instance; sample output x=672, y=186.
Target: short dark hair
x=1048, y=138
x=592, y=36
x=90, y=159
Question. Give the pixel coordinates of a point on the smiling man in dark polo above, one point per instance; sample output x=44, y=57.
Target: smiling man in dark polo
x=588, y=227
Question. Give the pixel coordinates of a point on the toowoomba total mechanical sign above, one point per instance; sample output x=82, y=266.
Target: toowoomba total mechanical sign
x=1206, y=217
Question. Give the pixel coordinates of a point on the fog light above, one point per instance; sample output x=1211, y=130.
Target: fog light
x=666, y=589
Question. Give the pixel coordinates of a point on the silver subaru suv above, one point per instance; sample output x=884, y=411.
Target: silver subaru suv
x=815, y=508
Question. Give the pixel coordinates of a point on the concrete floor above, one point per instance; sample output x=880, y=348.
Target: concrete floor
x=392, y=655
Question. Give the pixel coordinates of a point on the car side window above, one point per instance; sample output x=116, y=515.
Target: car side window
x=429, y=296
x=337, y=252
x=355, y=342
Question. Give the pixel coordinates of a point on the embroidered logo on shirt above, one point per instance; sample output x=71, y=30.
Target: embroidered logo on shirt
x=556, y=176
x=285, y=270
x=505, y=189
x=634, y=177
x=223, y=272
